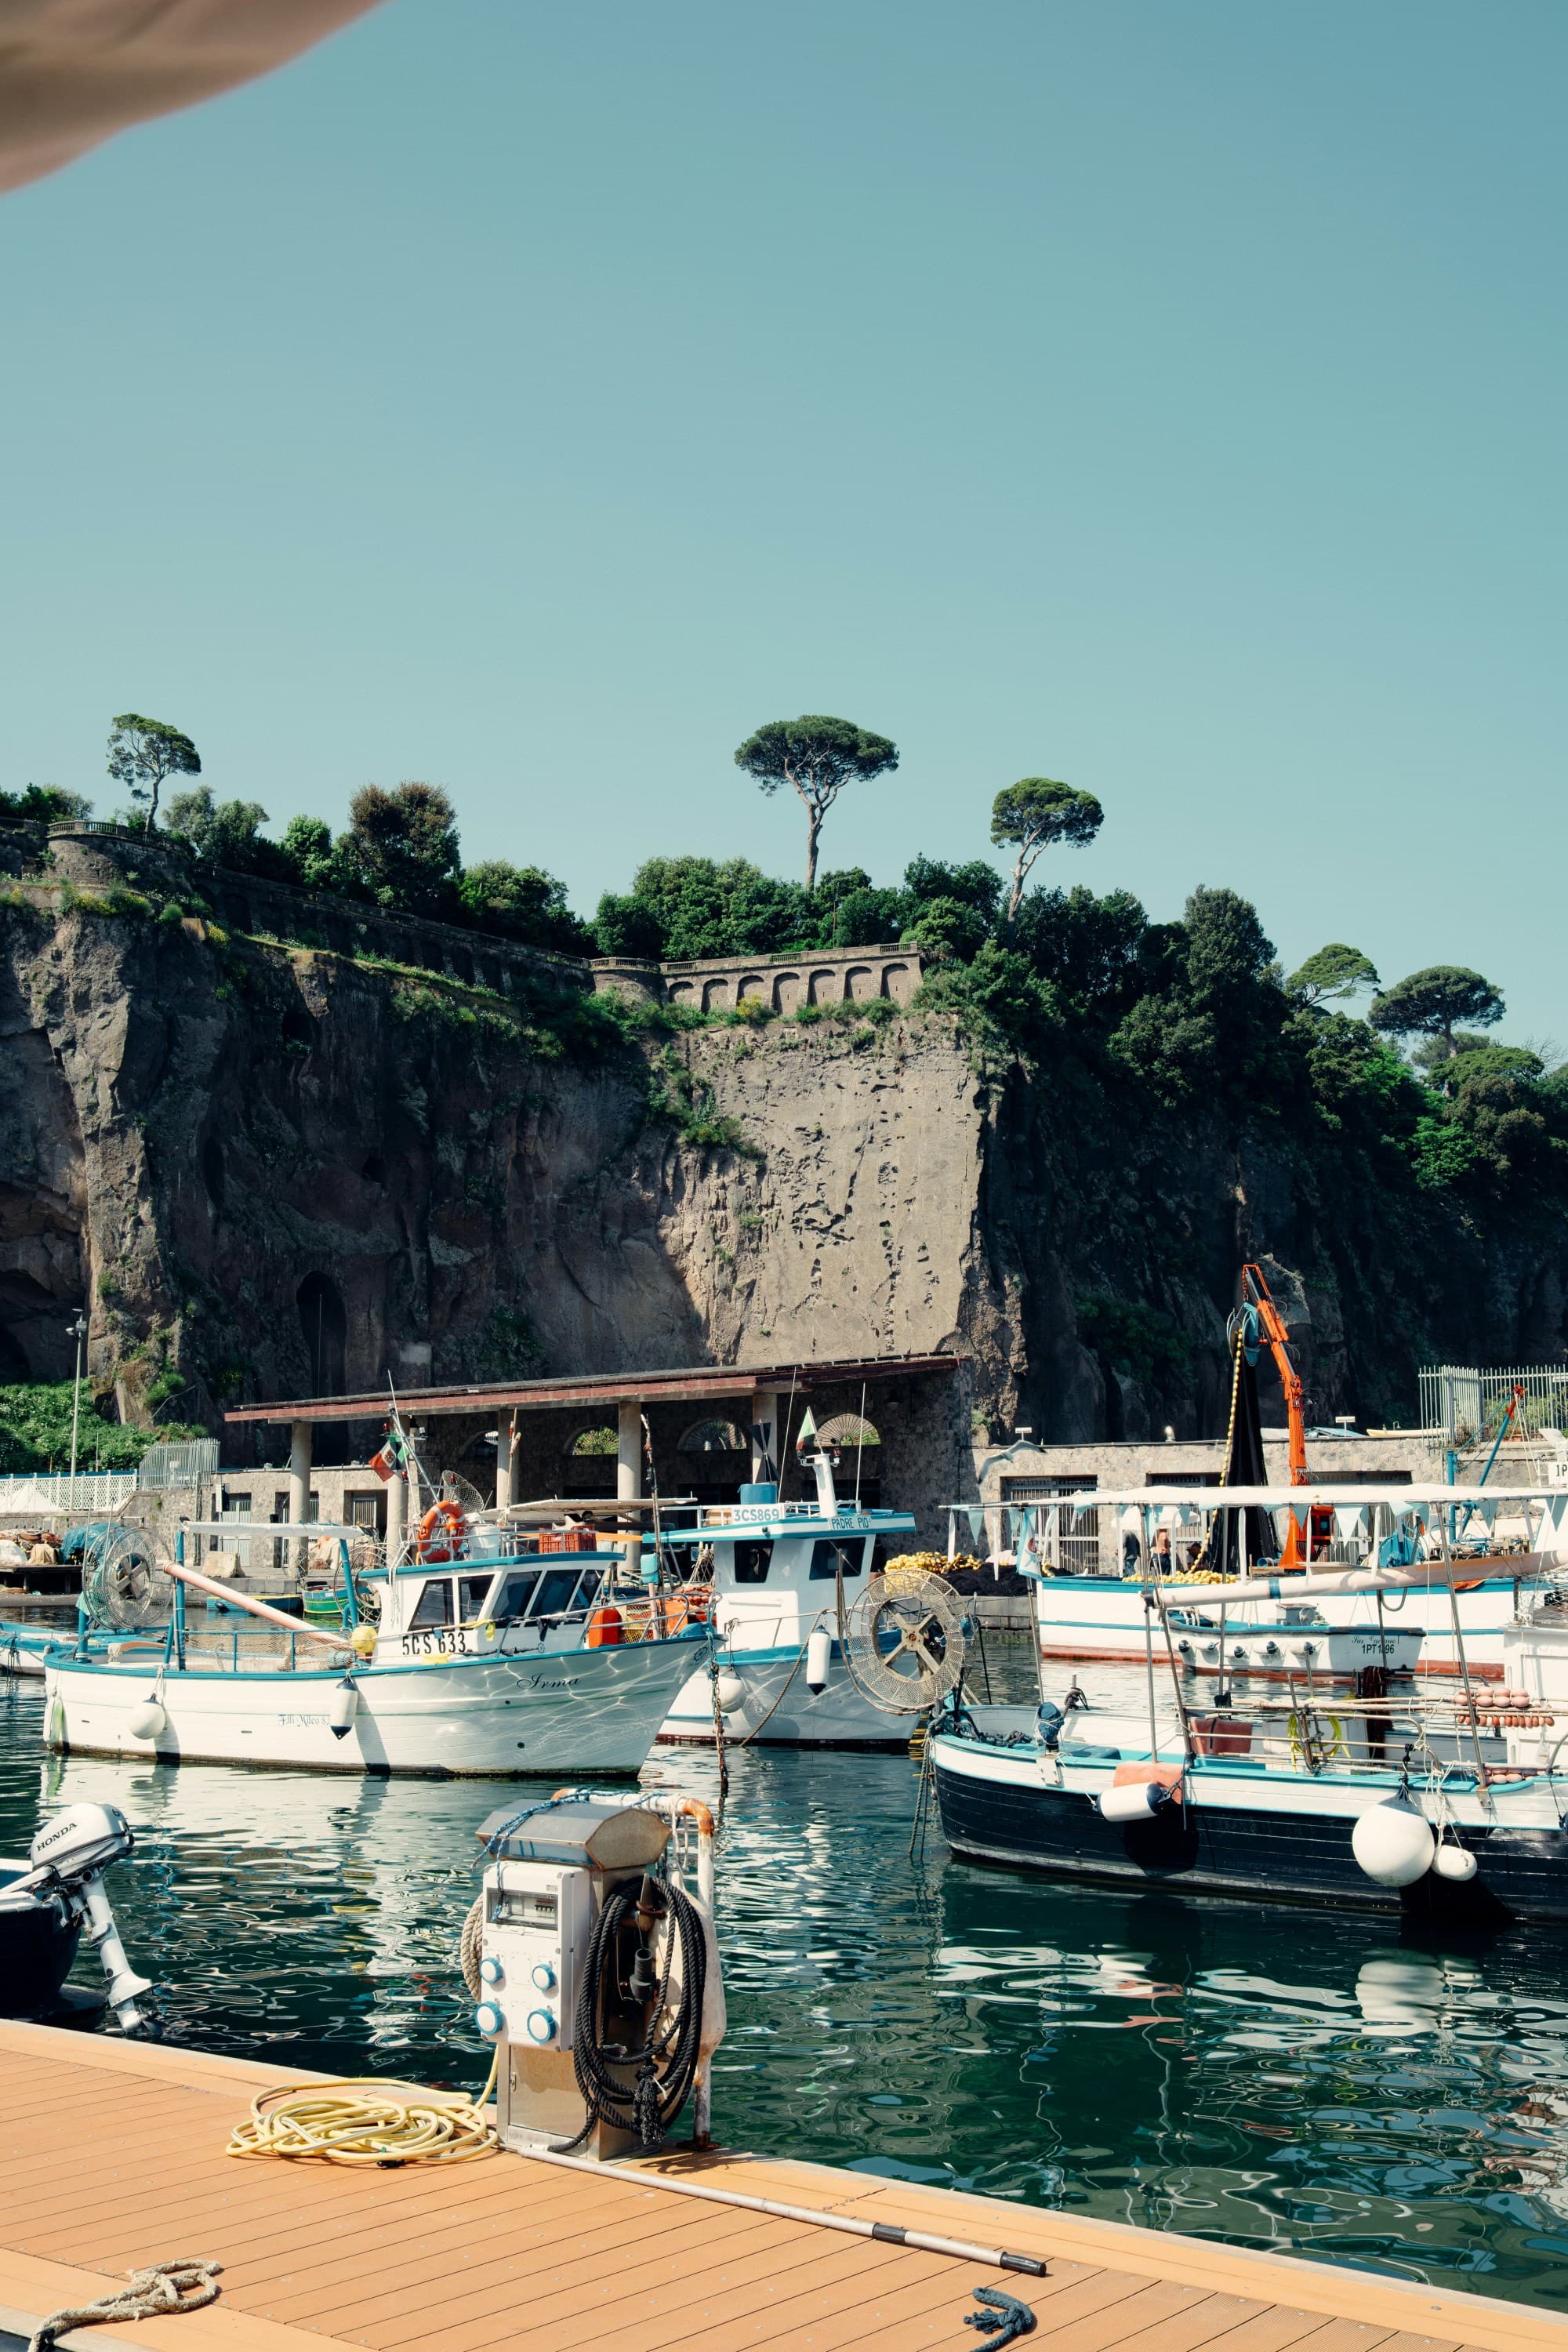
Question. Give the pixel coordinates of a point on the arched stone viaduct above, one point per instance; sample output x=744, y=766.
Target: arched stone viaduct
x=720, y=984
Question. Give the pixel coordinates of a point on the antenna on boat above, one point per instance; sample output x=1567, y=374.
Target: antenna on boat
x=784, y=1433
x=404, y=1442
x=860, y=1446
x=653, y=1496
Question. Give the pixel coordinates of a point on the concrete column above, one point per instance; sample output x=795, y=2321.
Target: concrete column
x=299, y=1491
x=766, y=1437
x=628, y=1451
x=396, y=1515
x=503, y=1460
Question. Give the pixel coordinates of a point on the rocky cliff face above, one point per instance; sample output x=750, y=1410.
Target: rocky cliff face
x=275, y=1170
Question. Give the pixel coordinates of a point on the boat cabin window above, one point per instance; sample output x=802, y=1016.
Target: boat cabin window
x=831, y=1553
x=472, y=1591
x=435, y=1606
x=512, y=1600
x=556, y=1587
x=751, y=1562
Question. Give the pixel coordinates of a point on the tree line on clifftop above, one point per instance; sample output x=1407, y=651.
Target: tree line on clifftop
x=1190, y=1013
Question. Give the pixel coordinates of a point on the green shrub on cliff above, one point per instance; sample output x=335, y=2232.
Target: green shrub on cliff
x=41, y=804
x=35, y=1432
x=681, y=907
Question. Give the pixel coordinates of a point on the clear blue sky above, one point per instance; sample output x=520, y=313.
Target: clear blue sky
x=534, y=401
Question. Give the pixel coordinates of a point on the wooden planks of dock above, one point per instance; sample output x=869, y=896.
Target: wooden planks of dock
x=112, y=2156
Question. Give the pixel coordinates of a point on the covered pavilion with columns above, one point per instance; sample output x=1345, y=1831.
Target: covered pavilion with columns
x=919, y=1406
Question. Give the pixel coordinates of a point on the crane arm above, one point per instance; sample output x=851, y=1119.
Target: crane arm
x=1256, y=1294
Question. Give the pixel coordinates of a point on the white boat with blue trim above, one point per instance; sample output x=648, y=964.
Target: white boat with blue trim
x=475, y=1660
x=1418, y=1626
x=775, y=1574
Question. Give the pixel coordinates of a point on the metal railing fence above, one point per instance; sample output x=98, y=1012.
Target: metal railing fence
x=90, y=1493
x=1468, y=1406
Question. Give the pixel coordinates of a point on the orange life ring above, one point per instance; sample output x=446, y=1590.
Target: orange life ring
x=603, y=1629
x=450, y=1516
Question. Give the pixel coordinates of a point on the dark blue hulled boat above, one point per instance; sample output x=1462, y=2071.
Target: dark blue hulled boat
x=1361, y=1804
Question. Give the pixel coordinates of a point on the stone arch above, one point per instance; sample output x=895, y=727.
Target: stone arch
x=716, y=997
x=898, y=981
x=681, y=991
x=753, y=984
x=787, y=991
x=860, y=983
x=594, y=1441
x=713, y=1437
x=826, y=986
x=849, y=1429
x=325, y=1323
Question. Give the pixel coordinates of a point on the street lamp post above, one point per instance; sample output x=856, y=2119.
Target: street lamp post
x=77, y=1331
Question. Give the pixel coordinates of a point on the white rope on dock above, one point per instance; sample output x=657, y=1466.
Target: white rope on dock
x=159, y=2292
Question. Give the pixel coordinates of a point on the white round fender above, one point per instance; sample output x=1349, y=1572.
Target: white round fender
x=148, y=1720
x=1134, y=1801
x=1454, y=1862
x=818, y=1658
x=1392, y=1843
x=344, y=1709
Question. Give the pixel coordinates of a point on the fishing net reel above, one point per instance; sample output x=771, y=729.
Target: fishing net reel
x=903, y=1641
x=122, y=1586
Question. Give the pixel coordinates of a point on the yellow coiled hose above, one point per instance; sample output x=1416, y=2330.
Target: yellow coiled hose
x=367, y=2120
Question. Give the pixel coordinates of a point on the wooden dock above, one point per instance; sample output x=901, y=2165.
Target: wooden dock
x=113, y=2158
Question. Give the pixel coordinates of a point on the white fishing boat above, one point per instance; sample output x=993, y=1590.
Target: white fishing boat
x=480, y=1662
x=774, y=1578
x=1434, y=1626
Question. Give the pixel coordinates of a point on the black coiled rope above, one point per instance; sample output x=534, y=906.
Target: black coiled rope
x=666, y=2063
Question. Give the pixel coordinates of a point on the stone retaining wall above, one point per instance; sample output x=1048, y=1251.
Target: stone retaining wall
x=99, y=856
x=103, y=856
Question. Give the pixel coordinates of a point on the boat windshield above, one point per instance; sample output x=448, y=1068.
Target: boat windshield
x=516, y=1592
x=830, y=1554
x=540, y=1593
x=435, y=1603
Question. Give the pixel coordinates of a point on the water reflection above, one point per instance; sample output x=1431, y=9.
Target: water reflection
x=1291, y=2078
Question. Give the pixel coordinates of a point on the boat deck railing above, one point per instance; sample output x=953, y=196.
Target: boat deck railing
x=1337, y=1735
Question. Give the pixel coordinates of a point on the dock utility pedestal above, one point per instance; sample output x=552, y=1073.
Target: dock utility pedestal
x=593, y=1960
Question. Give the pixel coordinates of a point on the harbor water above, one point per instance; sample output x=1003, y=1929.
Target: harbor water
x=1287, y=2078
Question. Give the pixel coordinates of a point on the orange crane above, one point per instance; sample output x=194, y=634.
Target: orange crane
x=1261, y=1323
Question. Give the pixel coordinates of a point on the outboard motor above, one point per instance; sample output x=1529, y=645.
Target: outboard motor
x=68, y=1858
